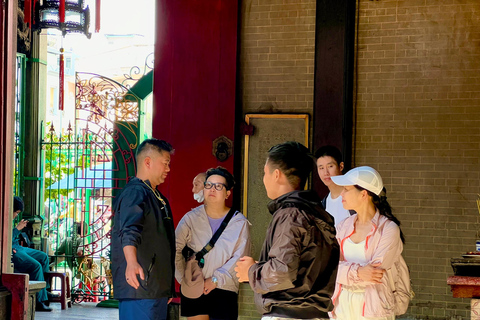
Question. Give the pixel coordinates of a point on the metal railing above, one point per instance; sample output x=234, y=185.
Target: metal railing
x=84, y=166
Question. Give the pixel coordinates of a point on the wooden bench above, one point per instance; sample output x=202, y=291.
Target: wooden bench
x=33, y=288
x=23, y=294
x=5, y=302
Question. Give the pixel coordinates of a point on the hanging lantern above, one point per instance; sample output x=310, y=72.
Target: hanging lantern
x=68, y=16
x=65, y=15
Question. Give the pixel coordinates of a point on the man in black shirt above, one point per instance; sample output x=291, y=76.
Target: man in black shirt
x=143, y=238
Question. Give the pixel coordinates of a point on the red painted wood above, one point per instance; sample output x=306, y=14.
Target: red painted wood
x=7, y=109
x=65, y=297
x=194, y=89
x=98, y=6
x=464, y=287
x=463, y=281
x=17, y=284
x=2, y=103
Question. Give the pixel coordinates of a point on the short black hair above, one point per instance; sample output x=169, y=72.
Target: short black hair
x=77, y=226
x=18, y=204
x=329, y=151
x=155, y=144
x=221, y=171
x=294, y=160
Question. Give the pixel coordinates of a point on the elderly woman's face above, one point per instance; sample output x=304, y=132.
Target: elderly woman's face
x=215, y=189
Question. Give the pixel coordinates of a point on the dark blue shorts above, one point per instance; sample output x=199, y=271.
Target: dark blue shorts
x=148, y=309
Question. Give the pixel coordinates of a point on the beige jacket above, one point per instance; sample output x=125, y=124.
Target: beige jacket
x=195, y=231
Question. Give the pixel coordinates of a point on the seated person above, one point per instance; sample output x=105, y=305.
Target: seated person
x=28, y=260
x=72, y=247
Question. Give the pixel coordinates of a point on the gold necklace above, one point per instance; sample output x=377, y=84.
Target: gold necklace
x=156, y=193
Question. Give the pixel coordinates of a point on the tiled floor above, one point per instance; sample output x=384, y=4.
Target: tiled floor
x=87, y=310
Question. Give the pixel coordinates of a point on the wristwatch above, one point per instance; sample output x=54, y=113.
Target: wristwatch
x=214, y=280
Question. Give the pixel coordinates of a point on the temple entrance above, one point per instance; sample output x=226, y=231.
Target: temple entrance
x=84, y=167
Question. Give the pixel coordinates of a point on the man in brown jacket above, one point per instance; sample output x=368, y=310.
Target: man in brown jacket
x=295, y=275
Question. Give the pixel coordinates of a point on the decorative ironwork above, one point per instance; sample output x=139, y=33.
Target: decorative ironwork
x=85, y=166
x=136, y=73
x=104, y=98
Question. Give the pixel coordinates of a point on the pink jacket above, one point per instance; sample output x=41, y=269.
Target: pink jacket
x=383, y=245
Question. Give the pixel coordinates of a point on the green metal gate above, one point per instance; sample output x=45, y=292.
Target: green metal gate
x=85, y=166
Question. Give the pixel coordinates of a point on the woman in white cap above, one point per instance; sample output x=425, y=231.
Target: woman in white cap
x=371, y=243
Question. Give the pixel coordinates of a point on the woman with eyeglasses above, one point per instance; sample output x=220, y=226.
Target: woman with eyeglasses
x=219, y=299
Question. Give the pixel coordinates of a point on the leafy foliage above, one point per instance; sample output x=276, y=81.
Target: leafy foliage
x=59, y=161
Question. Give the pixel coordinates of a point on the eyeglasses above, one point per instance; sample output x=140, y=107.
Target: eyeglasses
x=218, y=186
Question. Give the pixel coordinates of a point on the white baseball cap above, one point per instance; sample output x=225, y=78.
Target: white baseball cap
x=365, y=177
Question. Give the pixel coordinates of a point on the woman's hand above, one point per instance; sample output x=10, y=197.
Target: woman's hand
x=208, y=286
x=371, y=273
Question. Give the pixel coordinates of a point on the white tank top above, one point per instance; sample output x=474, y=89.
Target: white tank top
x=354, y=252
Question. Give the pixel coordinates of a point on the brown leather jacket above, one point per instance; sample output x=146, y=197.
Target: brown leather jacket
x=296, y=272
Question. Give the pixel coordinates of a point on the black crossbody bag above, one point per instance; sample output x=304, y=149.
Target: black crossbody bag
x=187, y=252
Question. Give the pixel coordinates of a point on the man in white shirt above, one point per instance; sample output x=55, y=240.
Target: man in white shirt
x=329, y=164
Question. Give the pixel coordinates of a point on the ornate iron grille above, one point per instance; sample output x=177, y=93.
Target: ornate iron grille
x=84, y=169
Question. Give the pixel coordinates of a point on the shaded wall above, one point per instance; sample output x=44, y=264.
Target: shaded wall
x=277, y=51
x=418, y=123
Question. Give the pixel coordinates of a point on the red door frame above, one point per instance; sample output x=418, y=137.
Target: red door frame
x=8, y=37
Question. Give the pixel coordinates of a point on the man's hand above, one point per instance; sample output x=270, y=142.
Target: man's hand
x=14, y=251
x=134, y=269
x=242, y=267
x=208, y=286
x=371, y=273
x=22, y=224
